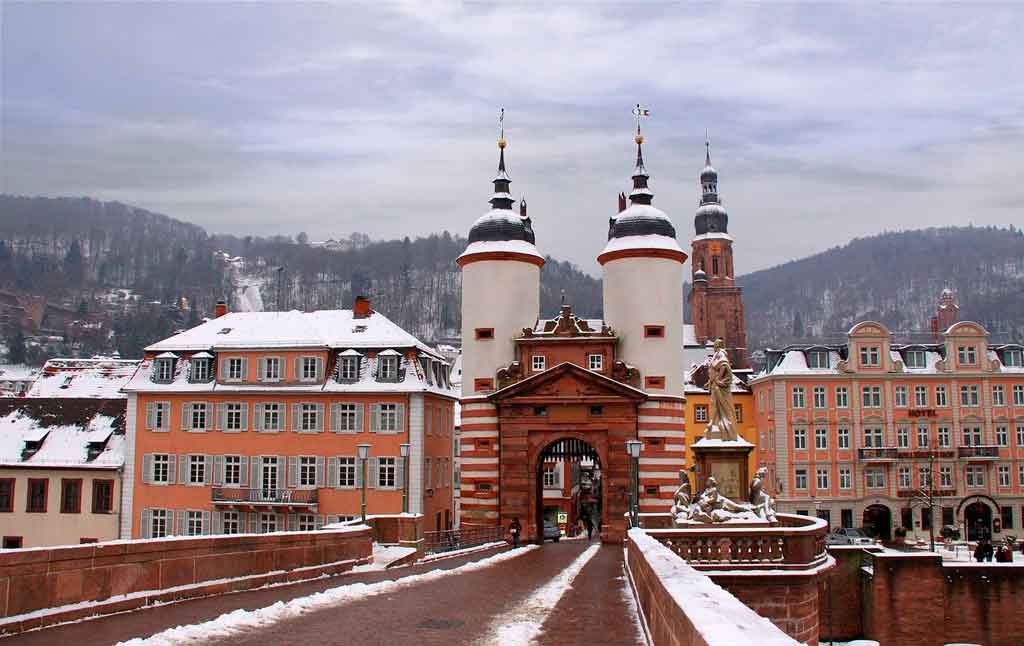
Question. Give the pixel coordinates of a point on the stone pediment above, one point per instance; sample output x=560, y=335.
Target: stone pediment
x=568, y=382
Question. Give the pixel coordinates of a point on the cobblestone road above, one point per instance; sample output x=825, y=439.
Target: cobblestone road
x=457, y=609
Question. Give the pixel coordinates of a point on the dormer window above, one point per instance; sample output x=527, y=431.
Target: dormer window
x=199, y=368
x=387, y=366
x=817, y=359
x=870, y=356
x=967, y=355
x=270, y=369
x=1013, y=358
x=163, y=368
x=428, y=369
x=348, y=366
x=915, y=359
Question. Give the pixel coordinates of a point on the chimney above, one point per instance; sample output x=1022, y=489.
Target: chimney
x=622, y=202
x=935, y=329
x=220, y=309
x=361, y=308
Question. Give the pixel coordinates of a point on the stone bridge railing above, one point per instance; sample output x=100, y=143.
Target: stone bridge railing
x=796, y=542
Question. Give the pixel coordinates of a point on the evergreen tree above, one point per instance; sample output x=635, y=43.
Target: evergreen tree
x=16, y=352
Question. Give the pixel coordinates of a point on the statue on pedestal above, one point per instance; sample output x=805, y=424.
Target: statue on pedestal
x=722, y=424
x=682, y=500
x=713, y=507
x=762, y=503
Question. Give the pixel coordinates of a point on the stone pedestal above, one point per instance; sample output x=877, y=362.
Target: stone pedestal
x=727, y=460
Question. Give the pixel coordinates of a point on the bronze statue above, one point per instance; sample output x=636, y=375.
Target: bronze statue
x=722, y=423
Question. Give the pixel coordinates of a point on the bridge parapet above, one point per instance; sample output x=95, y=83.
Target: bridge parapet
x=44, y=586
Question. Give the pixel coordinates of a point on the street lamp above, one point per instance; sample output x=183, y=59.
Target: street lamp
x=364, y=453
x=403, y=450
x=633, y=448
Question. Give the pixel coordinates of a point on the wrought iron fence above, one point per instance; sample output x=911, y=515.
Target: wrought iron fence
x=461, y=538
x=878, y=453
x=976, y=451
x=265, y=496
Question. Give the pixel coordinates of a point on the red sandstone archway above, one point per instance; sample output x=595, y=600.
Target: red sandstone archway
x=567, y=457
x=878, y=521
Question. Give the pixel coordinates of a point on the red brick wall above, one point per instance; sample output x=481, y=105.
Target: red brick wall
x=35, y=579
x=791, y=603
x=840, y=596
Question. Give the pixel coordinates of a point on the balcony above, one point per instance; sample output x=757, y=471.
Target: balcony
x=264, y=497
x=877, y=454
x=976, y=452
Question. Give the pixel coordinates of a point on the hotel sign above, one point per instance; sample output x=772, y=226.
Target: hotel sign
x=922, y=412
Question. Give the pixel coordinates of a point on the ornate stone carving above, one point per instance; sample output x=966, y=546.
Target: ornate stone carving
x=509, y=375
x=843, y=366
x=682, y=499
x=762, y=503
x=713, y=507
x=625, y=373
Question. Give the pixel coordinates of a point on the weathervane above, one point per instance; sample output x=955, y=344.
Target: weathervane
x=640, y=112
x=501, y=129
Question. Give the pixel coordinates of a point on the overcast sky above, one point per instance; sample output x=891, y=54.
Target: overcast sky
x=827, y=121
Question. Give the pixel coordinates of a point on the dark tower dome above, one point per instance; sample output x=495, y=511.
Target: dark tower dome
x=640, y=219
x=501, y=222
x=711, y=215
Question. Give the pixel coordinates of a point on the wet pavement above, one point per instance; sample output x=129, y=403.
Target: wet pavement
x=457, y=609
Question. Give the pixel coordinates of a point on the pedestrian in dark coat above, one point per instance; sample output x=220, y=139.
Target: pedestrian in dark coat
x=589, y=524
x=514, y=529
x=1004, y=555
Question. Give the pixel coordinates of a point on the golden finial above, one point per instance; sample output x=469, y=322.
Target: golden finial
x=502, y=143
x=639, y=113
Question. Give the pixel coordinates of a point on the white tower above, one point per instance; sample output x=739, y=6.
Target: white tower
x=643, y=286
x=500, y=286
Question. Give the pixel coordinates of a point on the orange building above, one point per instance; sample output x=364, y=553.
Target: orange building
x=855, y=432
x=253, y=421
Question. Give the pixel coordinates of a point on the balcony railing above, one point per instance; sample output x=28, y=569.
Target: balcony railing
x=978, y=451
x=877, y=453
x=230, y=495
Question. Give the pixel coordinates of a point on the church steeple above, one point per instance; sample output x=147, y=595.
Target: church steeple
x=708, y=177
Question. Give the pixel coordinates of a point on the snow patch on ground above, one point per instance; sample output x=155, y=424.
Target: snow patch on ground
x=521, y=625
x=464, y=551
x=383, y=556
x=240, y=620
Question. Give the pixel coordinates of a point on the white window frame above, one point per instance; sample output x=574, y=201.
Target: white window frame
x=1002, y=435
x=820, y=439
x=194, y=525
x=387, y=368
x=233, y=466
x=200, y=370
x=945, y=477
x=904, y=477
x=538, y=362
x=348, y=472
x=873, y=437
x=921, y=396
x=972, y=436
x=920, y=359
x=998, y=395
x=924, y=436
x=1020, y=435
x=870, y=356
x=275, y=413
x=1003, y=475
x=235, y=369
x=874, y=478
x=349, y=370
x=944, y=434
x=231, y=522
x=196, y=468
x=900, y=396
x=974, y=476
x=199, y=412
x=164, y=370
x=307, y=476
x=387, y=473
x=821, y=479
x=941, y=397
x=700, y=413
x=843, y=437
x=595, y=362
x=845, y=478
x=271, y=369
x=348, y=417
x=903, y=437
x=233, y=415
x=388, y=418
x=309, y=417
x=799, y=397
x=799, y=438
x=819, y=397
x=310, y=369
x=800, y=479
x=967, y=355
x=817, y=359
x=162, y=519
x=842, y=397
x=161, y=466
x=871, y=396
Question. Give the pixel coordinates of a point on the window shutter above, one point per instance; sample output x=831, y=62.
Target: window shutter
x=319, y=418
x=222, y=417
x=400, y=473
x=172, y=461
x=359, y=417
x=223, y=373
x=183, y=469
x=332, y=472
x=218, y=471
x=280, y=471
x=218, y=522
x=261, y=368
x=374, y=471
x=186, y=416
x=207, y=530
x=400, y=415
x=254, y=522
x=335, y=420
x=319, y=368
x=245, y=417
x=359, y=473
x=319, y=471
x=296, y=410
x=245, y=369
x=280, y=524
x=298, y=373
x=179, y=523
x=243, y=472
x=209, y=414
x=256, y=481
x=150, y=415
x=208, y=469
x=319, y=522
x=293, y=472
x=293, y=522
x=257, y=417
x=147, y=468
x=374, y=417
x=146, y=530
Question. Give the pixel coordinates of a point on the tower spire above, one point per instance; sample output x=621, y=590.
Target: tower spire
x=501, y=199
x=707, y=149
x=640, y=194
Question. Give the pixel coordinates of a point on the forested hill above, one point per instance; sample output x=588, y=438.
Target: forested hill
x=893, y=278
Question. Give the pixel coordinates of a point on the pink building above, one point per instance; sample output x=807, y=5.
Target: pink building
x=856, y=432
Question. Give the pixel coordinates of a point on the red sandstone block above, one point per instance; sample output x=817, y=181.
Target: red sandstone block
x=24, y=569
x=70, y=564
x=65, y=587
x=262, y=561
x=4, y=584
x=175, y=572
x=109, y=549
x=222, y=566
x=96, y=583
x=72, y=553
x=133, y=577
x=12, y=558
x=288, y=558
x=27, y=593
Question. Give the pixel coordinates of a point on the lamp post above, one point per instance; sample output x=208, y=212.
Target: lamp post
x=633, y=448
x=403, y=450
x=364, y=453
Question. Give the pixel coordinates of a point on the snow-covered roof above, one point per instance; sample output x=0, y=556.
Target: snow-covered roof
x=501, y=246
x=66, y=429
x=321, y=329
x=713, y=236
x=199, y=355
x=649, y=241
x=18, y=372
x=78, y=378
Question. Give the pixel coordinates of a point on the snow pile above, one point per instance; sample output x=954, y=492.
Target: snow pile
x=502, y=246
x=522, y=624
x=63, y=445
x=642, y=242
x=240, y=620
x=719, y=617
x=84, y=378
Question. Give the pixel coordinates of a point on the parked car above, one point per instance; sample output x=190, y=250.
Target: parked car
x=551, y=531
x=950, y=533
x=848, y=536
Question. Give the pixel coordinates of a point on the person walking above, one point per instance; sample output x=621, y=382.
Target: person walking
x=589, y=524
x=514, y=528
